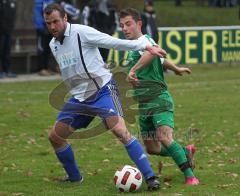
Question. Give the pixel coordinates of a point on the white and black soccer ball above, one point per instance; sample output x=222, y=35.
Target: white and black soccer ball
x=128, y=179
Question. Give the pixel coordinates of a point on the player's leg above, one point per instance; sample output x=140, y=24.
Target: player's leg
x=117, y=125
x=148, y=133
x=110, y=102
x=67, y=123
x=164, y=134
x=163, y=120
x=152, y=143
x=64, y=152
x=154, y=147
x=135, y=150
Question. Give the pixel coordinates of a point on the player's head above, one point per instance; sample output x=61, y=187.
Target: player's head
x=131, y=23
x=148, y=6
x=56, y=20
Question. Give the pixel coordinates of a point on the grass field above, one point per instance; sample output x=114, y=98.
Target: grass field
x=191, y=14
x=207, y=114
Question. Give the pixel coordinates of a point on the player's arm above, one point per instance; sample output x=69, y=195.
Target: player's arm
x=103, y=40
x=177, y=70
x=145, y=60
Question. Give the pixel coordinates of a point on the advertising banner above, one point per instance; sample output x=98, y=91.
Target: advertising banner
x=193, y=45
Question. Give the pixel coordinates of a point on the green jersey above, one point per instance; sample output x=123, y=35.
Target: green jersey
x=151, y=76
x=156, y=106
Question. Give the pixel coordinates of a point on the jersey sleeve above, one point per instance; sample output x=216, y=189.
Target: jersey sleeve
x=148, y=41
x=103, y=40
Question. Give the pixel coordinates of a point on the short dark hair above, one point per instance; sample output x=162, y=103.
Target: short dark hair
x=54, y=7
x=148, y=3
x=130, y=12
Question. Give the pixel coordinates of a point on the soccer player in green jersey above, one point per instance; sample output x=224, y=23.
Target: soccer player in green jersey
x=156, y=106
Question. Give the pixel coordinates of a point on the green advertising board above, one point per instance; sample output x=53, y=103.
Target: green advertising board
x=194, y=45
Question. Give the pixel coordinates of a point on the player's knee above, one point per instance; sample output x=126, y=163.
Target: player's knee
x=164, y=140
x=55, y=139
x=164, y=135
x=51, y=136
x=118, y=128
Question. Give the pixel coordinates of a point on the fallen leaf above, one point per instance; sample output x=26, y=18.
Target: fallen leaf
x=167, y=184
x=42, y=135
x=46, y=179
x=211, y=161
x=95, y=173
x=167, y=179
x=105, y=149
x=226, y=185
x=210, y=151
x=17, y=194
x=24, y=114
x=232, y=160
x=232, y=174
x=13, y=166
x=168, y=164
x=23, y=135
x=29, y=173
x=105, y=161
x=31, y=141
x=219, y=133
x=195, y=130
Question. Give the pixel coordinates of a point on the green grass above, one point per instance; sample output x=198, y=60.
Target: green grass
x=207, y=114
x=190, y=14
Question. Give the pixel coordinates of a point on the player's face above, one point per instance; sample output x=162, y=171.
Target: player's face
x=130, y=28
x=56, y=24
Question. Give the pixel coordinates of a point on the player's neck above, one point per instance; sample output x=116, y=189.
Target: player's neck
x=138, y=35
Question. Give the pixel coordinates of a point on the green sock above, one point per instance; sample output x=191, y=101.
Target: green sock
x=164, y=151
x=179, y=156
x=185, y=150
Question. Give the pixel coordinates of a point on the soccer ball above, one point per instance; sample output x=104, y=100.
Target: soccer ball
x=128, y=179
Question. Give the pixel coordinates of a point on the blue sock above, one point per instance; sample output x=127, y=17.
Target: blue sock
x=66, y=157
x=136, y=152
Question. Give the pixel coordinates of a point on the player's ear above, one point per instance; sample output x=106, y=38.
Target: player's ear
x=65, y=18
x=140, y=23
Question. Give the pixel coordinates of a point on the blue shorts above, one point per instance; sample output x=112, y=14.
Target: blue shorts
x=104, y=103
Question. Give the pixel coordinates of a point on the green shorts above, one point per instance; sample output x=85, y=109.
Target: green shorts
x=156, y=113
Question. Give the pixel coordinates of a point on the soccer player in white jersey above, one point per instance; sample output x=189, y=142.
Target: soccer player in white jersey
x=94, y=92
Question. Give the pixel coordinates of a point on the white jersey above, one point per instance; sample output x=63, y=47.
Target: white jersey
x=79, y=59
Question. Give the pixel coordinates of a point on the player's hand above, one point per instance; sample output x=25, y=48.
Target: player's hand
x=156, y=50
x=181, y=70
x=132, y=78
